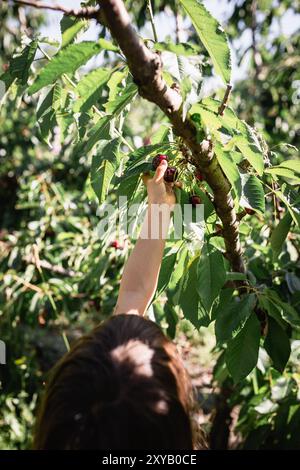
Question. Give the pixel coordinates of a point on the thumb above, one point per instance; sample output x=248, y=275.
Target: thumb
x=160, y=171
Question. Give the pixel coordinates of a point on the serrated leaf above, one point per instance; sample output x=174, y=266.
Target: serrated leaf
x=231, y=316
x=115, y=84
x=139, y=155
x=277, y=345
x=211, y=275
x=67, y=60
x=101, y=130
x=46, y=105
x=249, y=146
x=279, y=234
x=103, y=168
x=70, y=28
x=177, y=278
x=286, y=311
x=19, y=66
x=128, y=186
x=211, y=35
x=166, y=271
x=128, y=94
x=172, y=319
x=252, y=193
x=89, y=89
x=242, y=352
x=293, y=165
x=289, y=169
x=184, y=49
x=189, y=300
x=230, y=169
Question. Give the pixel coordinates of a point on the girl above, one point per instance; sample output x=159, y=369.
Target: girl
x=124, y=386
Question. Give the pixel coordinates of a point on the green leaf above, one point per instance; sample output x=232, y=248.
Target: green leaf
x=19, y=66
x=211, y=275
x=230, y=169
x=70, y=27
x=252, y=193
x=101, y=130
x=139, y=156
x=277, y=345
x=122, y=100
x=115, y=83
x=46, y=105
x=89, y=88
x=248, y=144
x=177, y=279
x=104, y=165
x=281, y=170
x=293, y=165
x=211, y=35
x=128, y=186
x=172, y=319
x=279, y=235
x=209, y=112
x=184, y=49
x=166, y=271
x=189, y=299
x=242, y=352
x=231, y=316
x=67, y=60
x=286, y=311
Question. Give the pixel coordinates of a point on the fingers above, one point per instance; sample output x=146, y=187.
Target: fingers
x=160, y=171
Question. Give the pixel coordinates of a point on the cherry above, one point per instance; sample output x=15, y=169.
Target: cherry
x=199, y=175
x=158, y=159
x=249, y=211
x=195, y=200
x=116, y=244
x=170, y=174
x=5, y=67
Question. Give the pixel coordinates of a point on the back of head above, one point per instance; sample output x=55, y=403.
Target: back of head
x=121, y=387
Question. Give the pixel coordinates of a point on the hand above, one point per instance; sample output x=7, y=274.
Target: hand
x=160, y=192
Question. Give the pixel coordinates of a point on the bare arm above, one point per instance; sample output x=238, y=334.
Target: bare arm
x=140, y=276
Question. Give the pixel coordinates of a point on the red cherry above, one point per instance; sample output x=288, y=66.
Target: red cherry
x=158, y=159
x=249, y=211
x=5, y=67
x=115, y=244
x=199, y=175
x=170, y=174
x=195, y=200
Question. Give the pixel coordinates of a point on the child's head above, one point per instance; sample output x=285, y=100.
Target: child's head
x=121, y=387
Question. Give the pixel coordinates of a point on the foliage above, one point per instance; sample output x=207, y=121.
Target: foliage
x=69, y=142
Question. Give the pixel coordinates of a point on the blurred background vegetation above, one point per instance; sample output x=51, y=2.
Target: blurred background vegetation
x=58, y=279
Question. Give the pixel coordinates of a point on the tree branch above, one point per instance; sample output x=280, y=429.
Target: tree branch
x=84, y=12
x=146, y=68
x=224, y=103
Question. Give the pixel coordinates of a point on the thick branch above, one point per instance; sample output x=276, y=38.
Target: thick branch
x=146, y=68
x=85, y=12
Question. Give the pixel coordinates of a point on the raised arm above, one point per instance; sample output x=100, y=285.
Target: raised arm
x=140, y=276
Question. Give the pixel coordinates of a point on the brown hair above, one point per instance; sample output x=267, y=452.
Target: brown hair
x=123, y=386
